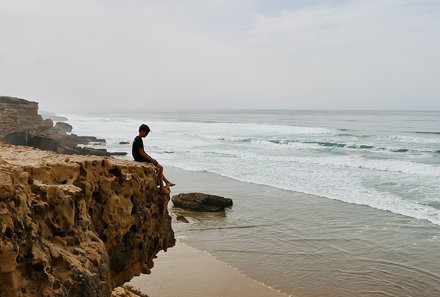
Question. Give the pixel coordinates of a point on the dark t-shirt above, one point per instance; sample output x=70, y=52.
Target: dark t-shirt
x=137, y=144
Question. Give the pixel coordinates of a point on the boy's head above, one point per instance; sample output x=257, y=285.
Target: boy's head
x=144, y=130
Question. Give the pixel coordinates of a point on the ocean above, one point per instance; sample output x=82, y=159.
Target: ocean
x=345, y=197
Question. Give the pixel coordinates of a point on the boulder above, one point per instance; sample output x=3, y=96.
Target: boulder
x=182, y=219
x=88, y=139
x=64, y=127
x=201, y=202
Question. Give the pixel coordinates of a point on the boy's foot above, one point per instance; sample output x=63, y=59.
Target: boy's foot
x=164, y=191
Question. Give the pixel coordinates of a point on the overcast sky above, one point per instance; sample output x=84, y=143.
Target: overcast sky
x=272, y=54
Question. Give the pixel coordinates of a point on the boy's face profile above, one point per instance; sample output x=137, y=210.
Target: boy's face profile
x=143, y=133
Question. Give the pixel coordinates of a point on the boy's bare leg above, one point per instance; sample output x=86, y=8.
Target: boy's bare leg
x=168, y=183
x=162, y=188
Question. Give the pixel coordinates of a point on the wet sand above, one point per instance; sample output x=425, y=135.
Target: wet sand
x=184, y=271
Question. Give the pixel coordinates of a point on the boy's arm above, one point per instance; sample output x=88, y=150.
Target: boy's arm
x=145, y=155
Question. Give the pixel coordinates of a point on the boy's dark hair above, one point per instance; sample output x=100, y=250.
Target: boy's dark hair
x=144, y=127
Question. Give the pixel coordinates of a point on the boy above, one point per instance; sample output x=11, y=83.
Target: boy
x=140, y=155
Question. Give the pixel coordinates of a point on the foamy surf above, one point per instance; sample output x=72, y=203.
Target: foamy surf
x=389, y=168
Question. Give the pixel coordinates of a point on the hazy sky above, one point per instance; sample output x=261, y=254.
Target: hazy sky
x=305, y=54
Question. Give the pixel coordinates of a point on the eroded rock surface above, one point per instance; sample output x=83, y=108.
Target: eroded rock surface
x=75, y=225
x=9, y=121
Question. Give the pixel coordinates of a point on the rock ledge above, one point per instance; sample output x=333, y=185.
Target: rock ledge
x=76, y=225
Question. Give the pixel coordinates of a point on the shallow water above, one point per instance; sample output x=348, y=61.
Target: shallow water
x=309, y=246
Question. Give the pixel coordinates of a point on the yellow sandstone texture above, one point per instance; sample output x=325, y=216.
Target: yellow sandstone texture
x=77, y=225
x=122, y=292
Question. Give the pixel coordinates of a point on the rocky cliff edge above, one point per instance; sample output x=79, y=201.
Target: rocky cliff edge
x=20, y=124
x=76, y=225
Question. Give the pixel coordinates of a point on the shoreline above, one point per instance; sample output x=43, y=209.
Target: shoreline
x=316, y=244
x=185, y=271
x=295, y=192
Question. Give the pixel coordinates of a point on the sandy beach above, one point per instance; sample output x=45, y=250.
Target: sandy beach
x=187, y=272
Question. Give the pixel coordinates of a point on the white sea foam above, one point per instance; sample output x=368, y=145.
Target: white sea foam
x=414, y=139
x=314, y=160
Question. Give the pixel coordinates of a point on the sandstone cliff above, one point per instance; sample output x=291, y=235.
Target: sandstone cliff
x=24, y=115
x=18, y=114
x=20, y=124
x=75, y=225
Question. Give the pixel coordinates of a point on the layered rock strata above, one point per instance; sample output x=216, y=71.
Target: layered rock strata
x=9, y=121
x=20, y=124
x=25, y=115
x=76, y=225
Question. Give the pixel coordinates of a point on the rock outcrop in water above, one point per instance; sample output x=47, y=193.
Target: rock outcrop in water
x=76, y=225
x=20, y=124
x=63, y=127
x=201, y=202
